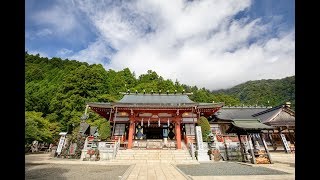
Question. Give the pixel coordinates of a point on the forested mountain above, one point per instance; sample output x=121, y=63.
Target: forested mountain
x=56, y=91
x=270, y=92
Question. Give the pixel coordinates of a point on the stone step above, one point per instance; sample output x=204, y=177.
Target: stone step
x=153, y=153
x=154, y=161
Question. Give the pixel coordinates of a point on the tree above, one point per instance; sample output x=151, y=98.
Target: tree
x=205, y=127
x=37, y=128
x=105, y=130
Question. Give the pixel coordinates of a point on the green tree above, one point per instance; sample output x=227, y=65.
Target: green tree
x=205, y=127
x=104, y=130
x=37, y=128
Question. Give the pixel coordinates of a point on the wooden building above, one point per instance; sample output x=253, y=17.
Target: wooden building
x=281, y=117
x=165, y=117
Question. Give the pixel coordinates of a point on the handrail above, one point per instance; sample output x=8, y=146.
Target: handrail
x=116, y=148
x=191, y=149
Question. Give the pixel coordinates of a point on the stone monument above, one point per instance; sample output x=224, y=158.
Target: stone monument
x=202, y=152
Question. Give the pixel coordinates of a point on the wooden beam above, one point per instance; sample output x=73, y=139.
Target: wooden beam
x=253, y=160
x=242, y=149
x=266, y=148
x=291, y=139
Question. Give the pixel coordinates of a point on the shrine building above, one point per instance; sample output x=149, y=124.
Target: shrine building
x=155, y=116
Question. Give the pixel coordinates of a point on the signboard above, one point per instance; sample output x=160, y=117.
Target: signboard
x=72, y=148
x=285, y=142
x=60, y=145
x=165, y=131
x=199, y=137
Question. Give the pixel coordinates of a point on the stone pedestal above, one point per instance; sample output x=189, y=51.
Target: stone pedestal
x=106, y=154
x=203, y=155
x=165, y=140
x=83, y=153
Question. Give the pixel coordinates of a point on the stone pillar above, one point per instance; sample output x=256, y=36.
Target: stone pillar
x=131, y=131
x=178, y=133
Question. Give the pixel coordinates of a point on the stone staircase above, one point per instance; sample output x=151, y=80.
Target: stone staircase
x=156, y=156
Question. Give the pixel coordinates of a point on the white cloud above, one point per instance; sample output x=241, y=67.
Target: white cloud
x=96, y=52
x=58, y=19
x=64, y=52
x=44, y=32
x=198, y=43
x=41, y=54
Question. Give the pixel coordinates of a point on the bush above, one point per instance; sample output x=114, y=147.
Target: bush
x=205, y=128
x=105, y=131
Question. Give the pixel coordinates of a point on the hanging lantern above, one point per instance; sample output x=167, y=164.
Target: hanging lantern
x=142, y=122
x=148, y=122
x=159, y=122
x=168, y=122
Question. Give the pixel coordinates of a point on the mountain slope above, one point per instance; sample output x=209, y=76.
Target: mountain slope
x=270, y=92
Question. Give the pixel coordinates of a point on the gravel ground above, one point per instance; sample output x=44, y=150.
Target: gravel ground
x=226, y=169
x=64, y=171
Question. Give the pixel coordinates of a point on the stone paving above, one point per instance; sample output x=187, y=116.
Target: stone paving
x=65, y=171
x=155, y=171
x=40, y=165
x=226, y=169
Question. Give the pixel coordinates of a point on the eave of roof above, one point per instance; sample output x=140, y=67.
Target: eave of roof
x=250, y=124
x=153, y=105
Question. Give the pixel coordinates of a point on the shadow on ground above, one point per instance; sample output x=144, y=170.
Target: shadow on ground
x=79, y=172
x=226, y=169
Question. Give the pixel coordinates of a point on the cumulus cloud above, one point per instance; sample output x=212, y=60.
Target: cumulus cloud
x=64, y=52
x=58, y=18
x=97, y=52
x=41, y=54
x=197, y=42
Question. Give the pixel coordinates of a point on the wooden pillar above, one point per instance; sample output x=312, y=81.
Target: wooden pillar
x=131, y=131
x=178, y=133
x=271, y=140
x=225, y=147
x=265, y=148
x=253, y=160
x=242, y=149
x=290, y=137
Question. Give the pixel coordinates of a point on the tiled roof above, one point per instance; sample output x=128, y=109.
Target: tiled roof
x=250, y=124
x=279, y=115
x=84, y=128
x=229, y=113
x=93, y=129
x=156, y=99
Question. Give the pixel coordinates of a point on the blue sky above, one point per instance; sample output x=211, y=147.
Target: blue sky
x=209, y=43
